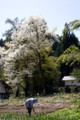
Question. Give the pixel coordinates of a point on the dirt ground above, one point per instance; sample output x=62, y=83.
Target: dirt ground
x=43, y=108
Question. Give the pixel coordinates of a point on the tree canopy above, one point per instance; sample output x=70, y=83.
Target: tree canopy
x=28, y=49
x=67, y=39
x=34, y=59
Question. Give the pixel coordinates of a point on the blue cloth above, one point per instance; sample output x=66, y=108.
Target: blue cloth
x=35, y=100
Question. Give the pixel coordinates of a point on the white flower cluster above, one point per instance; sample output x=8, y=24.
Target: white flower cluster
x=28, y=39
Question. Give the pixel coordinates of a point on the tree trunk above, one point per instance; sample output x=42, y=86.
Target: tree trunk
x=17, y=93
x=42, y=75
x=40, y=64
x=25, y=89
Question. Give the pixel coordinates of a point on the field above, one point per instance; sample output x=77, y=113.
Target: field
x=46, y=105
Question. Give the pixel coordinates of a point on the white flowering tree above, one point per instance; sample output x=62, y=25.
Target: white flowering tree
x=30, y=38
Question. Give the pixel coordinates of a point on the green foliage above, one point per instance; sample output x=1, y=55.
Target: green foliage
x=49, y=67
x=8, y=33
x=59, y=49
x=68, y=38
x=74, y=24
x=66, y=31
x=67, y=114
x=71, y=56
x=72, y=88
x=76, y=74
x=66, y=41
x=77, y=103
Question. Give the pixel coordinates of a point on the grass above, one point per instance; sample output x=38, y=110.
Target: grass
x=65, y=114
x=70, y=113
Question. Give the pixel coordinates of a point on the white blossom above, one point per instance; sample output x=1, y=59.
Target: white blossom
x=29, y=38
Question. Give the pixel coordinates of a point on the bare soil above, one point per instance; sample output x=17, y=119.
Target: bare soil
x=43, y=108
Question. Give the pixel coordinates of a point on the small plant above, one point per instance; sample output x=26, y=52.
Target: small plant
x=77, y=102
x=65, y=114
x=62, y=89
x=72, y=88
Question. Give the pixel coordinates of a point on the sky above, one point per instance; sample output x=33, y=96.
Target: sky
x=55, y=12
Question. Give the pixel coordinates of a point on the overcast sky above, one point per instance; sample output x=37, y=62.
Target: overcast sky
x=55, y=12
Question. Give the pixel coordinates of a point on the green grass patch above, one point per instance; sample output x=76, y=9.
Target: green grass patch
x=70, y=113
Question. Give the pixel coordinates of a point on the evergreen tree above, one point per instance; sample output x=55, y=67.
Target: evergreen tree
x=1, y=43
x=66, y=41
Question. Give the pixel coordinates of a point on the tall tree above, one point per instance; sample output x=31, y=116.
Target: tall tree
x=67, y=40
x=29, y=40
